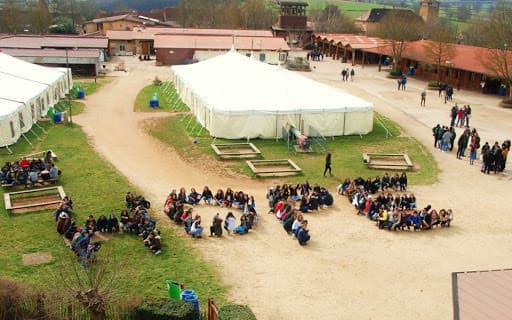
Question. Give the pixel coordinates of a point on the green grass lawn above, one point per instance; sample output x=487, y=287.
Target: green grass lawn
x=76, y=107
x=346, y=152
x=352, y=9
x=168, y=100
x=97, y=188
x=89, y=85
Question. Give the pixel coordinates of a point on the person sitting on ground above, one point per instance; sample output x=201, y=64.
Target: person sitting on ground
x=304, y=203
x=383, y=217
x=125, y=221
x=207, y=195
x=156, y=242
x=396, y=220
x=193, y=197
x=112, y=224
x=196, y=230
x=342, y=187
x=414, y=221
x=90, y=224
x=244, y=226
x=446, y=217
x=435, y=218
x=230, y=222
x=385, y=182
x=102, y=224
x=288, y=221
x=303, y=233
x=54, y=172
x=296, y=224
x=33, y=178
x=216, y=227
x=187, y=220
x=219, y=198
x=228, y=198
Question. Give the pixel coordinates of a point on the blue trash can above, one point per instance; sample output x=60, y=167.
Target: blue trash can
x=154, y=103
x=501, y=91
x=57, y=117
x=80, y=94
x=191, y=297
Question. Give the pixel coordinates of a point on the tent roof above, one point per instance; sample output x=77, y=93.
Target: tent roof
x=18, y=89
x=249, y=86
x=9, y=107
x=29, y=71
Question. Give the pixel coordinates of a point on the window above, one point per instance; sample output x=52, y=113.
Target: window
x=122, y=47
x=457, y=74
x=248, y=55
x=22, y=123
x=32, y=111
x=472, y=76
x=282, y=57
x=12, y=129
x=262, y=57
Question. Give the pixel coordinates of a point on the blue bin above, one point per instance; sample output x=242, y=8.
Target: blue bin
x=80, y=94
x=57, y=117
x=186, y=296
x=154, y=103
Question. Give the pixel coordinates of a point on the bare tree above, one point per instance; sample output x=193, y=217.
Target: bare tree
x=399, y=27
x=499, y=39
x=440, y=48
x=41, y=18
x=256, y=14
x=10, y=16
x=331, y=19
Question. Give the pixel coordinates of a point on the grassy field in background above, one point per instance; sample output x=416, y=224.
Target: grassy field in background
x=166, y=97
x=346, y=152
x=352, y=9
x=97, y=188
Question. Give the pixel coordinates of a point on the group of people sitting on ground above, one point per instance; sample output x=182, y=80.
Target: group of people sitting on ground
x=309, y=198
x=397, y=212
x=387, y=182
x=282, y=200
x=136, y=219
x=493, y=158
x=176, y=202
x=79, y=237
x=29, y=172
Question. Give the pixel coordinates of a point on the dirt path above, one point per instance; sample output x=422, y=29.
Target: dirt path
x=350, y=270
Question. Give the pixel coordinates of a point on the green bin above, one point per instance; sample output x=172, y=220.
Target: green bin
x=51, y=113
x=174, y=289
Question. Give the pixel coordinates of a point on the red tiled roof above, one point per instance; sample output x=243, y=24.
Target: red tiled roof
x=219, y=42
x=36, y=41
x=60, y=53
x=141, y=33
x=353, y=40
x=469, y=58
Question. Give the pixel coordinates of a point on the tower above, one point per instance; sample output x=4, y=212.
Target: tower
x=429, y=10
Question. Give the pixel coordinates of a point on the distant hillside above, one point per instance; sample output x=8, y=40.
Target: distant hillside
x=144, y=5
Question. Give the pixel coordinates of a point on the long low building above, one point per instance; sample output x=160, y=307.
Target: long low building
x=174, y=49
x=257, y=100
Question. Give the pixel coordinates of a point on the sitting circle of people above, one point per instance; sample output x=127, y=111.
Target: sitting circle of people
x=492, y=158
x=393, y=212
x=282, y=200
x=179, y=207
x=29, y=172
x=134, y=219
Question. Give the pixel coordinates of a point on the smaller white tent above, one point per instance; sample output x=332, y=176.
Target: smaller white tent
x=234, y=96
x=26, y=92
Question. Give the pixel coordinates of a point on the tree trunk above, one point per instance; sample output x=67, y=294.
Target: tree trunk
x=97, y=315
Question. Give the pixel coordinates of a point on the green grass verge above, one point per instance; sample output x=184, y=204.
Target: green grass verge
x=76, y=107
x=89, y=85
x=346, y=152
x=96, y=187
x=352, y=9
x=167, y=98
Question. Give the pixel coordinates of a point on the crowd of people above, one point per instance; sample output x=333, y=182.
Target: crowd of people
x=29, y=172
x=135, y=219
x=282, y=200
x=397, y=212
x=493, y=158
x=179, y=208
x=373, y=185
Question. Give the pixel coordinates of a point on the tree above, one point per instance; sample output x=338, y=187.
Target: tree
x=41, y=19
x=499, y=39
x=63, y=25
x=331, y=19
x=463, y=13
x=399, y=27
x=256, y=15
x=10, y=16
x=440, y=49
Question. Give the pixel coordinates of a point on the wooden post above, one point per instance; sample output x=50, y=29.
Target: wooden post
x=362, y=64
x=380, y=62
x=353, y=57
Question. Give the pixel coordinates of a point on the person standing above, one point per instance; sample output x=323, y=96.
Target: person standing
x=468, y=115
x=352, y=74
x=343, y=74
x=328, y=164
x=423, y=97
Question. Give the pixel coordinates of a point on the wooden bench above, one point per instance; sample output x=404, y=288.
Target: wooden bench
x=291, y=169
x=394, y=161
x=236, y=150
x=33, y=202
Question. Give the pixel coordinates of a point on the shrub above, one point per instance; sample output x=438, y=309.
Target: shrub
x=163, y=309
x=395, y=73
x=433, y=83
x=18, y=301
x=236, y=312
x=157, y=81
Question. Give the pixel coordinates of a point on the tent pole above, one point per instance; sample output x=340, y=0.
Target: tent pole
x=42, y=129
x=30, y=143
x=35, y=134
x=344, y=119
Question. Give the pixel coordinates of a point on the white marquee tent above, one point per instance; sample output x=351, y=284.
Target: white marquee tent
x=234, y=96
x=26, y=92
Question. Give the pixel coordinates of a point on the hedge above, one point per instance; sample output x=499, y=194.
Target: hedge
x=236, y=312
x=163, y=309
